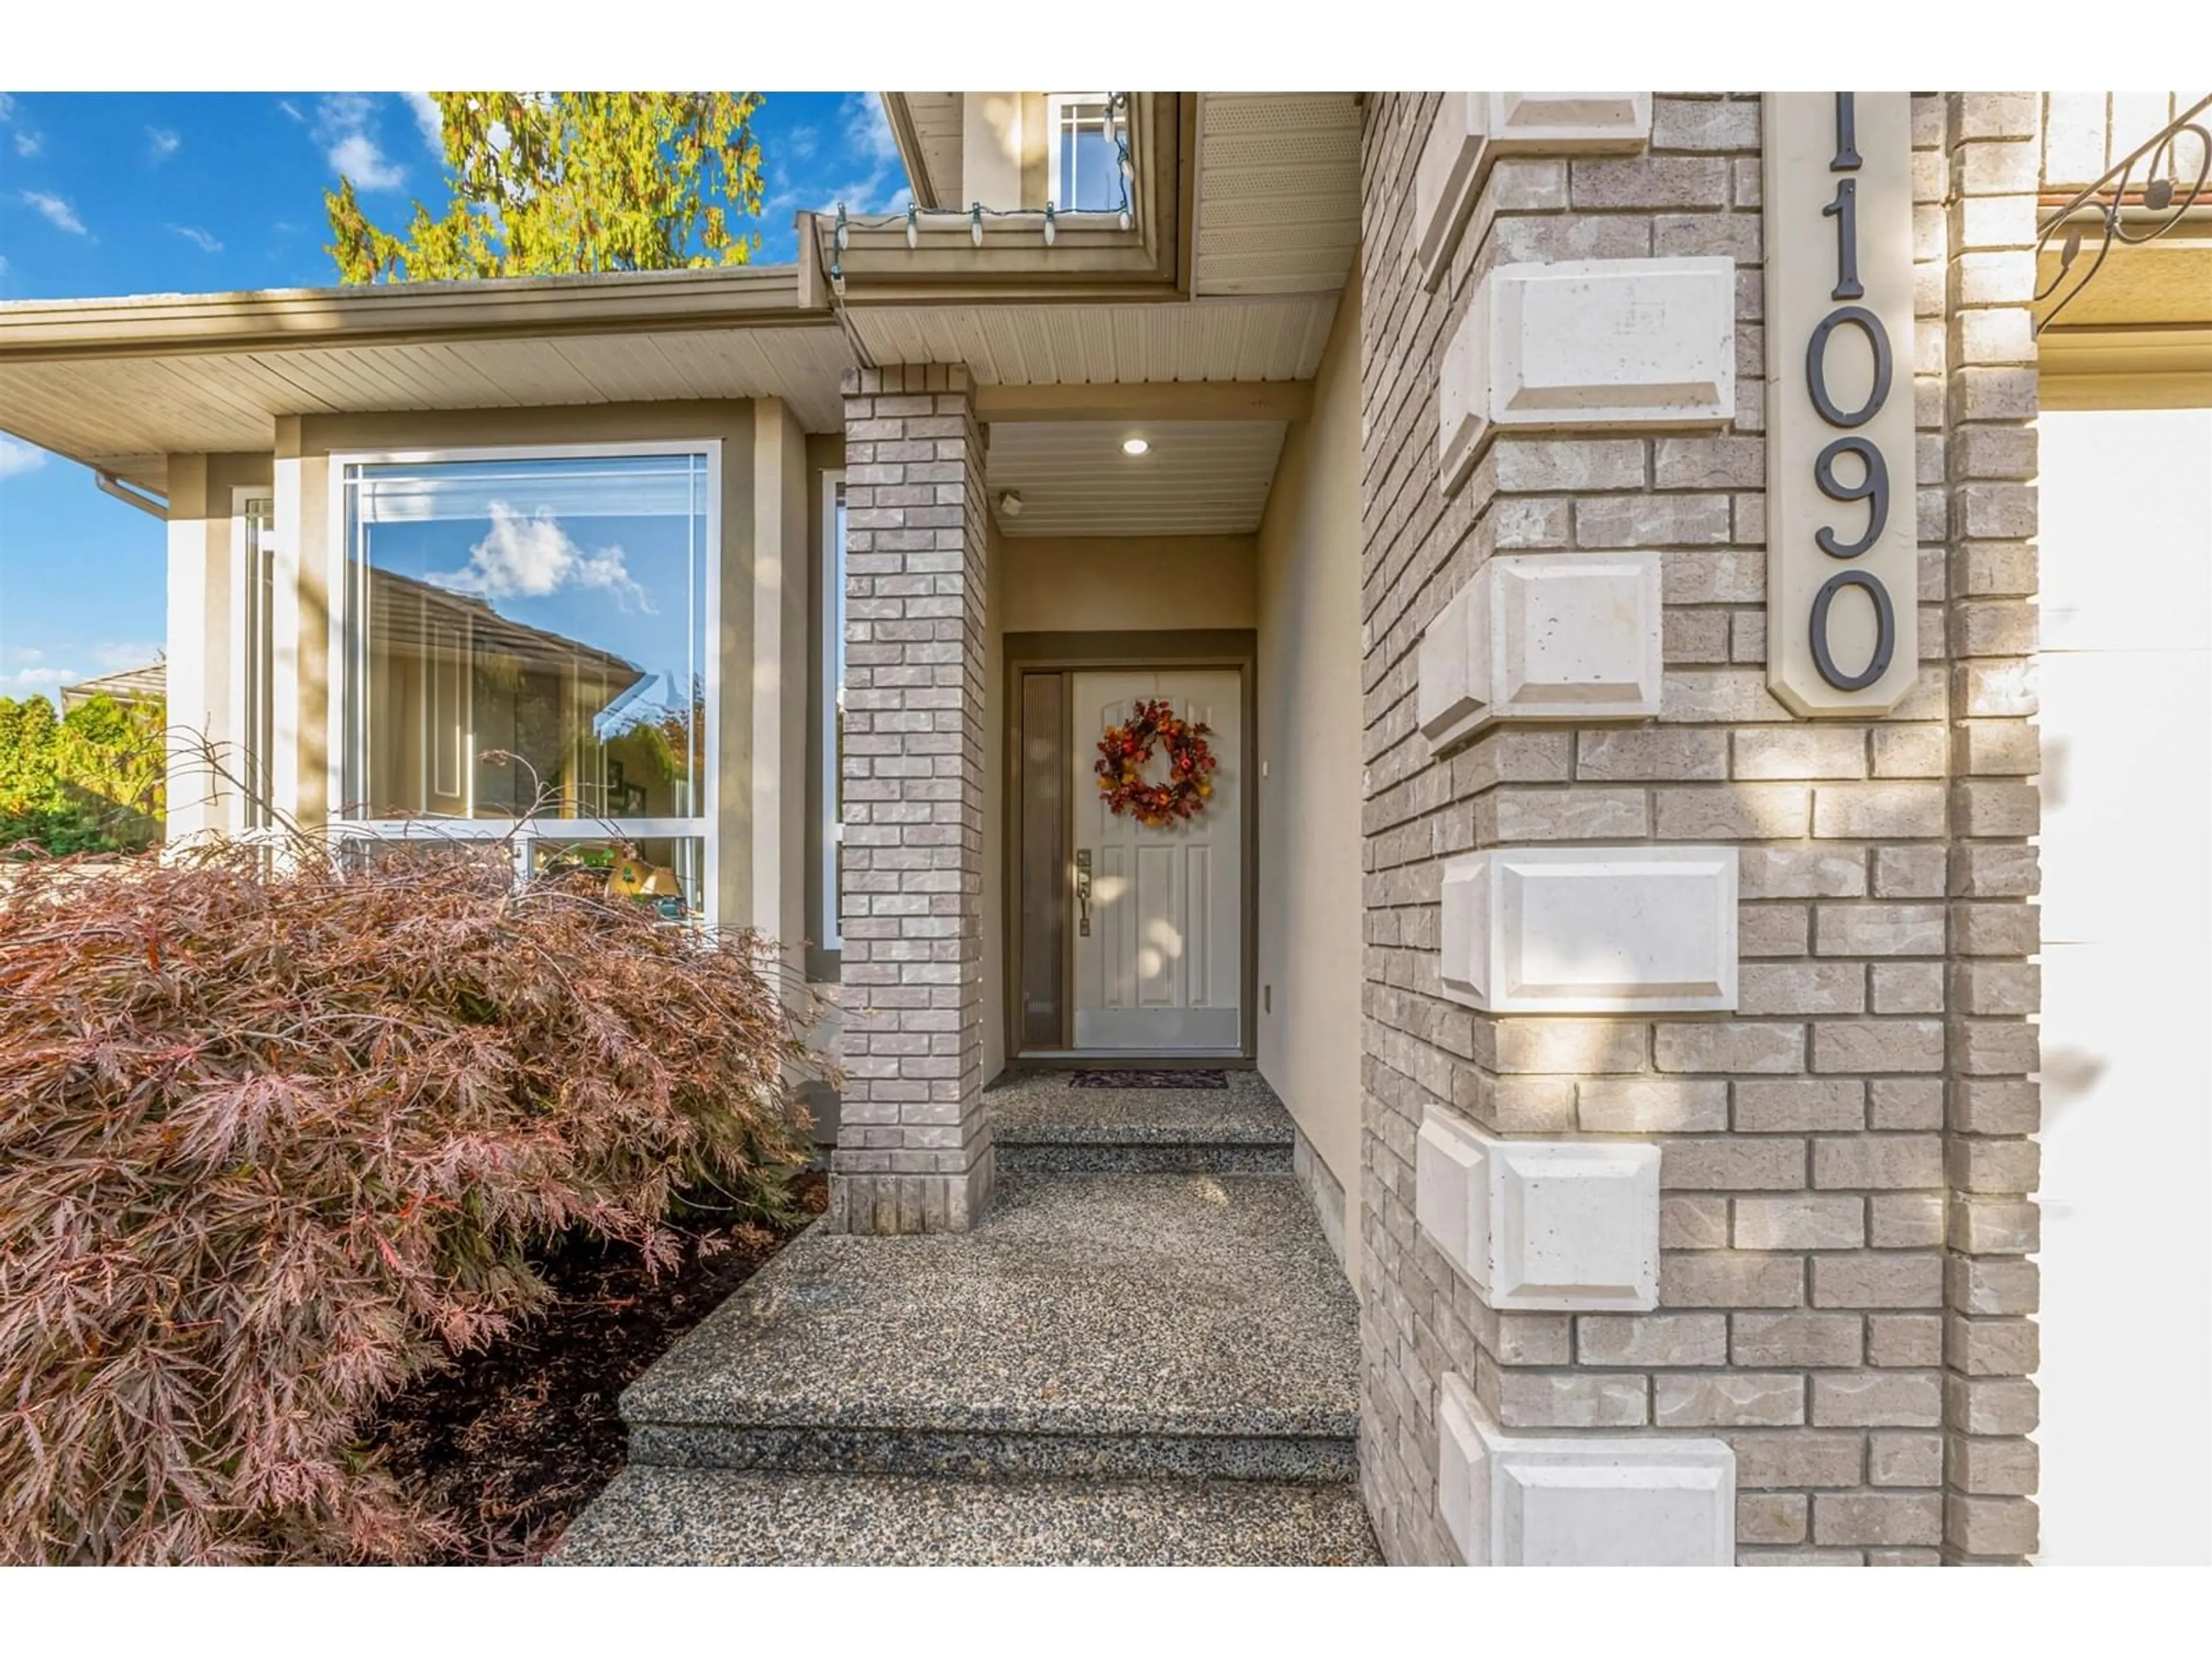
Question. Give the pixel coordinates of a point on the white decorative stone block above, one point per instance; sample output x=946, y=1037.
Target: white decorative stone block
x=1451, y=1194
x=1573, y=1224
x=1569, y=122
x=1588, y=345
x=1471, y=129
x=1447, y=179
x=1591, y=930
x=1524, y=1501
x=1544, y=636
x=1548, y=1225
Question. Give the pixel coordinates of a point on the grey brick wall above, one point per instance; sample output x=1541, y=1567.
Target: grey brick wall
x=1991, y=141
x=1843, y=1172
x=913, y=1147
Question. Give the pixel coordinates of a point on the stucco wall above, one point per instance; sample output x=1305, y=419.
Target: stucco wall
x=1054, y=583
x=995, y=742
x=1307, y=684
x=201, y=670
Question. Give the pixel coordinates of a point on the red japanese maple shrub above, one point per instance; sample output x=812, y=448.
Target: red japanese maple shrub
x=271, y=1145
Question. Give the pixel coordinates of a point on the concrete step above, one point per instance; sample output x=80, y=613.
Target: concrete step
x=726, y=1517
x=1124, y=1327
x=1040, y=1121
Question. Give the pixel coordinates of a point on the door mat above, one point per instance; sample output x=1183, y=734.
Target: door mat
x=1133, y=1077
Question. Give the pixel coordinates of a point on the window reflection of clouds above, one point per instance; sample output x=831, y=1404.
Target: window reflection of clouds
x=532, y=556
x=554, y=609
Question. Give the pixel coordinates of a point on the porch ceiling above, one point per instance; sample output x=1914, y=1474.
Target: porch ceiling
x=1199, y=477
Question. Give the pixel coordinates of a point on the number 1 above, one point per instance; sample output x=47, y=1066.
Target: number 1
x=1847, y=134
x=1845, y=210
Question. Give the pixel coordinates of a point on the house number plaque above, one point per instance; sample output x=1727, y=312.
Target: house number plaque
x=1841, y=554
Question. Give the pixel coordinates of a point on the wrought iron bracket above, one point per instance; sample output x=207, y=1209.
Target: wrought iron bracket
x=2103, y=209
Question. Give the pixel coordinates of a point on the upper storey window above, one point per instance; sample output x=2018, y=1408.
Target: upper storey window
x=1086, y=167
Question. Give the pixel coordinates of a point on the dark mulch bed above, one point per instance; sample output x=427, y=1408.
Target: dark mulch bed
x=517, y=1440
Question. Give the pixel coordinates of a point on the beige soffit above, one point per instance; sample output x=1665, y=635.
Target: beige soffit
x=1277, y=192
x=119, y=383
x=2137, y=332
x=1198, y=478
x=1023, y=345
x=925, y=126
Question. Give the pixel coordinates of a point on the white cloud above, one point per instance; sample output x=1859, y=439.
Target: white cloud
x=4, y=264
x=529, y=556
x=198, y=239
x=346, y=126
x=292, y=110
x=165, y=144
x=32, y=679
x=16, y=455
x=428, y=119
x=867, y=129
x=29, y=144
x=114, y=656
x=867, y=137
x=58, y=213
x=7, y=106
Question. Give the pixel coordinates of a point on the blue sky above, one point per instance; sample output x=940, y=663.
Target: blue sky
x=193, y=192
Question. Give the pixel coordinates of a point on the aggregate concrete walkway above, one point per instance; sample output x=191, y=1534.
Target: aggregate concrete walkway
x=1112, y=1367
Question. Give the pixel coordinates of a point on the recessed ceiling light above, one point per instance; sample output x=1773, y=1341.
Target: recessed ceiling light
x=1134, y=446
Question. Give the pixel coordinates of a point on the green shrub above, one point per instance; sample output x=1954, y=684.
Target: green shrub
x=91, y=780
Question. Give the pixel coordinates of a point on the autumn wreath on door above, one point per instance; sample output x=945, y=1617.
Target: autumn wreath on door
x=1124, y=750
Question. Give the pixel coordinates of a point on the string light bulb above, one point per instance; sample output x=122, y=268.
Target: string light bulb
x=913, y=227
x=844, y=234
x=837, y=279
x=1050, y=229
x=1126, y=219
x=976, y=223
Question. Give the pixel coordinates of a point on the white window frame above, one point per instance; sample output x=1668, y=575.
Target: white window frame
x=833, y=635
x=706, y=826
x=257, y=770
x=1054, y=103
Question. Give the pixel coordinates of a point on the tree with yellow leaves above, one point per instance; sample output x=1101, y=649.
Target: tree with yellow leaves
x=549, y=184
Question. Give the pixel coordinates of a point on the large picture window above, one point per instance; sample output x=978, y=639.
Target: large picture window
x=525, y=646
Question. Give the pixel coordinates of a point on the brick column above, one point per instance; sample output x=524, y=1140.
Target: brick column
x=1990, y=1343
x=914, y=1150
x=1803, y=1312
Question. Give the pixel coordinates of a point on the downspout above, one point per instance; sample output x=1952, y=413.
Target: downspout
x=144, y=500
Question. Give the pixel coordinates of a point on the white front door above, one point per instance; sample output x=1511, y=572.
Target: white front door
x=1159, y=967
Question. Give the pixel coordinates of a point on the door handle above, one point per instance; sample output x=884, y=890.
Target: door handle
x=1083, y=892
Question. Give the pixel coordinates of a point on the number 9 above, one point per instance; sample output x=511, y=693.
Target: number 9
x=1872, y=487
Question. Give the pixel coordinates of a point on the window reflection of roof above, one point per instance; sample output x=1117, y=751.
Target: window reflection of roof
x=516, y=639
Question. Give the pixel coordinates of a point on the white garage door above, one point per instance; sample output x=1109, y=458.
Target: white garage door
x=2127, y=987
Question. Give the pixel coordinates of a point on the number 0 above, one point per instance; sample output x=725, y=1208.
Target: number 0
x=1884, y=638
x=1816, y=365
